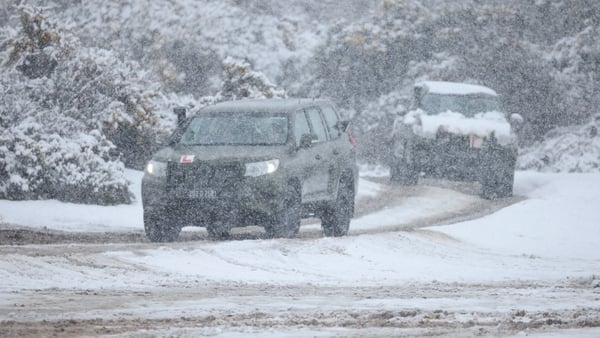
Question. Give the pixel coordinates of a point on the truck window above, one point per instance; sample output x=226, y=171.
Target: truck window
x=301, y=126
x=331, y=119
x=317, y=124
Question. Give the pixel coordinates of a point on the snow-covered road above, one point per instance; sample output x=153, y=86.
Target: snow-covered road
x=526, y=265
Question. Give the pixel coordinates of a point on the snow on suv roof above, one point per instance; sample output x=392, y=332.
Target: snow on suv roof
x=455, y=88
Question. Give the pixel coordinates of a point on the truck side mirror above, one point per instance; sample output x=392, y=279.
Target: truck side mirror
x=418, y=93
x=180, y=113
x=306, y=140
x=516, y=121
x=342, y=126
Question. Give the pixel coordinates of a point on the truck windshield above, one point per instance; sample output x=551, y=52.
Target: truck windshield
x=236, y=129
x=469, y=105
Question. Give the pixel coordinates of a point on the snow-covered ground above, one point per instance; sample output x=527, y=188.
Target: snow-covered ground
x=552, y=234
x=537, y=257
x=52, y=214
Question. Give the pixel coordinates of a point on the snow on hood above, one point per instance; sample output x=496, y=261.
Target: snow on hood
x=482, y=124
x=455, y=88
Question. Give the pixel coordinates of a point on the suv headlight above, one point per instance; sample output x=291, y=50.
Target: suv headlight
x=156, y=168
x=261, y=168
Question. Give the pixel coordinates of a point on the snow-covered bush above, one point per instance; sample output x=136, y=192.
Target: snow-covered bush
x=576, y=67
x=90, y=85
x=38, y=165
x=242, y=82
x=565, y=149
x=53, y=92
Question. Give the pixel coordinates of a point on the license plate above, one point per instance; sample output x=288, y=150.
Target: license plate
x=196, y=194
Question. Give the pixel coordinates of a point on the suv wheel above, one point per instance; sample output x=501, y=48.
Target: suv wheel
x=497, y=176
x=287, y=223
x=336, y=218
x=158, y=228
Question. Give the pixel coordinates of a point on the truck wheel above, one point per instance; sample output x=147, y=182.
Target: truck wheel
x=498, y=177
x=158, y=228
x=287, y=223
x=217, y=232
x=336, y=218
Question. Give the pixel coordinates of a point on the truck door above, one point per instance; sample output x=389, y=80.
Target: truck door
x=321, y=151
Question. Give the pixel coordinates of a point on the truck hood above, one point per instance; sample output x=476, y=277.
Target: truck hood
x=221, y=153
x=482, y=125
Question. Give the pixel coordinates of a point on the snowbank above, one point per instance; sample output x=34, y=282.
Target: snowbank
x=567, y=149
x=559, y=218
x=56, y=215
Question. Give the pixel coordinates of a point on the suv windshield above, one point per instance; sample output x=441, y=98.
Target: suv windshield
x=469, y=105
x=236, y=129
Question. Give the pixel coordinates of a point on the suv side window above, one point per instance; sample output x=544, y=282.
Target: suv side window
x=317, y=123
x=332, y=119
x=301, y=126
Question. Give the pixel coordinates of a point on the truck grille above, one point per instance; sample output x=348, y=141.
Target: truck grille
x=187, y=179
x=450, y=142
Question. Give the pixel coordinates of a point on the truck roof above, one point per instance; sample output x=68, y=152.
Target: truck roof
x=260, y=105
x=455, y=88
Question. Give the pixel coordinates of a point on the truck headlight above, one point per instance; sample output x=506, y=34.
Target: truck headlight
x=156, y=168
x=261, y=168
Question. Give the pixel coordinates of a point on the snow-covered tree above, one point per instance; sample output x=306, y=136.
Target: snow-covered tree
x=35, y=164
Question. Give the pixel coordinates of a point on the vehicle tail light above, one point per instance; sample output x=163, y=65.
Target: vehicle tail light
x=351, y=138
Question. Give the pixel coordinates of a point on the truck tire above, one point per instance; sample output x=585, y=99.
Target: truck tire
x=158, y=227
x=286, y=224
x=217, y=232
x=403, y=170
x=336, y=218
x=498, y=175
